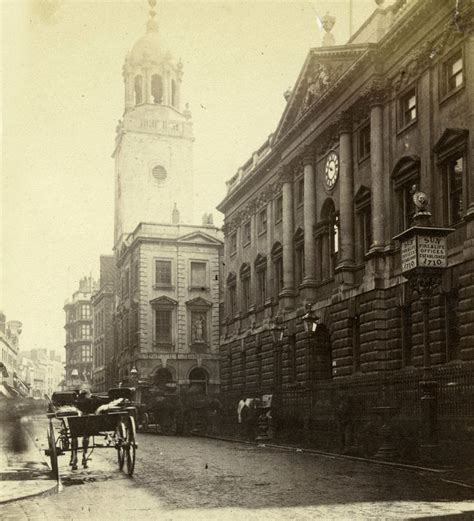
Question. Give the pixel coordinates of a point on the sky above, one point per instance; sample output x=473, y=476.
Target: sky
x=62, y=95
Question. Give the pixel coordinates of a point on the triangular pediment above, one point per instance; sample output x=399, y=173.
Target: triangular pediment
x=199, y=237
x=199, y=302
x=163, y=301
x=321, y=71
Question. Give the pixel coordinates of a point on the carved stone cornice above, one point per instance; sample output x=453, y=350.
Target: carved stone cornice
x=344, y=122
x=377, y=92
x=263, y=197
x=308, y=156
x=285, y=174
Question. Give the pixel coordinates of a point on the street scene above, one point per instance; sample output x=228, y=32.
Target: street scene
x=237, y=257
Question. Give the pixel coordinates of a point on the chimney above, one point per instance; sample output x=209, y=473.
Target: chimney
x=175, y=215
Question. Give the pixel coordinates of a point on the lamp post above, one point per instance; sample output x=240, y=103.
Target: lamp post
x=423, y=259
x=134, y=374
x=310, y=322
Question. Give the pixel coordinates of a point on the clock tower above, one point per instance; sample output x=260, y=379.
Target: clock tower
x=154, y=141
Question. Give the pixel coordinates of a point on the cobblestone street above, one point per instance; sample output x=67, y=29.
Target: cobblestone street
x=194, y=478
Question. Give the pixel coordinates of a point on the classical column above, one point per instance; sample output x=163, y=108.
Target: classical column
x=147, y=90
x=129, y=94
x=287, y=294
x=346, y=199
x=376, y=164
x=309, y=281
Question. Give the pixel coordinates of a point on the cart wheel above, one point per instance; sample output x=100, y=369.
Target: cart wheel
x=120, y=440
x=53, y=456
x=145, y=422
x=131, y=446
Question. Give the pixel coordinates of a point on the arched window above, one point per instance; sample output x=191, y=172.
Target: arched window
x=198, y=380
x=173, y=93
x=405, y=174
x=159, y=173
x=157, y=88
x=245, y=286
x=277, y=264
x=327, y=241
x=138, y=88
x=299, y=256
x=261, y=272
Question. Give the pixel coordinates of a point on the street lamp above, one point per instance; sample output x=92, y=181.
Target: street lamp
x=134, y=373
x=310, y=319
x=277, y=329
x=423, y=252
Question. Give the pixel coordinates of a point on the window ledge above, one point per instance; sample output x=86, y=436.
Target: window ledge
x=445, y=97
x=163, y=286
x=262, y=233
x=407, y=126
x=199, y=288
x=363, y=159
x=245, y=244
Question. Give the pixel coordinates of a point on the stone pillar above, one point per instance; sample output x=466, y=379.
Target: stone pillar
x=147, y=86
x=286, y=178
x=376, y=164
x=129, y=93
x=346, y=202
x=309, y=281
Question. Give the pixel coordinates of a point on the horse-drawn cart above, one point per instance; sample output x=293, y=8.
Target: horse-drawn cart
x=111, y=425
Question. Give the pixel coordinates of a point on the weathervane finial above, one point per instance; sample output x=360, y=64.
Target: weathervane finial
x=152, y=24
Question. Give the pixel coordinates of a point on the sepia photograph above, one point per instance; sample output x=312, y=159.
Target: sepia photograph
x=237, y=260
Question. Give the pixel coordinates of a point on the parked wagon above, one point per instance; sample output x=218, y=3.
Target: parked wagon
x=111, y=426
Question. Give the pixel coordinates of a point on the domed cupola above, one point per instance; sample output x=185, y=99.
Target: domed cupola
x=150, y=75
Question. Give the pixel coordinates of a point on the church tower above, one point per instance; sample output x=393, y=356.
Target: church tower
x=154, y=142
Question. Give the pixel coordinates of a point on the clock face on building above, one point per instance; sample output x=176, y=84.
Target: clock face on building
x=332, y=169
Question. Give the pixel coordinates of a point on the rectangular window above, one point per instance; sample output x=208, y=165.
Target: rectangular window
x=262, y=221
x=198, y=274
x=278, y=209
x=455, y=170
x=85, y=311
x=163, y=326
x=258, y=355
x=247, y=233
x=453, y=73
x=135, y=275
x=233, y=243
x=407, y=108
x=261, y=286
x=85, y=332
x=300, y=191
x=163, y=272
x=364, y=142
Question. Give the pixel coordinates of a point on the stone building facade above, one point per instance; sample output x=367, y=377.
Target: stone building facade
x=167, y=317
x=167, y=307
x=9, y=346
x=103, y=305
x=310, y=219
x=79, y=336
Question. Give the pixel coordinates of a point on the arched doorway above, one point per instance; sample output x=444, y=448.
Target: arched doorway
x=321, y=355
x=198, y=381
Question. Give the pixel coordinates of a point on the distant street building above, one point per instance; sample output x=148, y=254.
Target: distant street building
x=167, y=314
x=79, y=335
x=42, y=371
x=9, y=345
x=309, y=225
x=103, y=303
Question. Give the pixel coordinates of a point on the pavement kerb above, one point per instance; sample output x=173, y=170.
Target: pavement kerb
x=51, y=487
x=403, y=466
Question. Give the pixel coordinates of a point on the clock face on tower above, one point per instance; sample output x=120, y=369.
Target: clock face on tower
x=332, y=169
